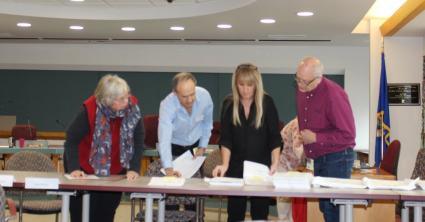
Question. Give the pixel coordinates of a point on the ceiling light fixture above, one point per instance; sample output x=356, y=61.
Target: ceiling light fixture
x=77, y=0
x=128, y=29
x=305, y=14
x=76, y=27
x=268, y=21
x=24, y=24
x=177, y=28
x=224, y=26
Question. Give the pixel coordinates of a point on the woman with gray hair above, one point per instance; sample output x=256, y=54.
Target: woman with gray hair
x=105, y=138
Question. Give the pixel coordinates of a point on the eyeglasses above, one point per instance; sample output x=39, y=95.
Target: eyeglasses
x=305, y=83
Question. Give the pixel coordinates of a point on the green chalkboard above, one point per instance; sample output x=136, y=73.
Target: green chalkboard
x=50, y=99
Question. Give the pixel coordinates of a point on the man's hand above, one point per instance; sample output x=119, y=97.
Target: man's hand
x=172, y=172
x=199, y=152
x=308, y=136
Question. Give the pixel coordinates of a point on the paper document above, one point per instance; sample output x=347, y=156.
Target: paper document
x=187, y=165
x=421, y=184
x=167, y=181
x=338, y=183
x=390, y=184
x=224, y=181
x=86, y=177
x=7, y=180
x=41, y=183
x=292, y=180
x=256, y=173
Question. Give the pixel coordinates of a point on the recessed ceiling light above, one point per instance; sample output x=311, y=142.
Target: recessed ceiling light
x=128, y=29
x=268, y=21
x=24, y=24
x=77, y=0
x=224, y=26
x=76, y=27
x=177, y=28
x=305, y=13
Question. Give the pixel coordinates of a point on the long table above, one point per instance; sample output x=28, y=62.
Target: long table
x=347, y=197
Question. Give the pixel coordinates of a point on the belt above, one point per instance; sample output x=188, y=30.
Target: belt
x=178, y=150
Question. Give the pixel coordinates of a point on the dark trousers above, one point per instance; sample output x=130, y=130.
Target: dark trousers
x=333, y=165
x=236, y=208
x=102, y=206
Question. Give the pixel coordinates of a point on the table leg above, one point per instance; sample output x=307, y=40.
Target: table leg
x=65, y=203
x=86, y=207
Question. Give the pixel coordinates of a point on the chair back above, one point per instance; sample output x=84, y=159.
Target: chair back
x=213, y=159
x=390, y=161
x=151, y=130
x=419, y=170
x=27, y=132
x=30, y=161
x=215, y=133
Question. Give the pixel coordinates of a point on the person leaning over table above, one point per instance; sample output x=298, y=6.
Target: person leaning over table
x=185, y=122
x=105, y=138
x=326, y=124
x=249, y=131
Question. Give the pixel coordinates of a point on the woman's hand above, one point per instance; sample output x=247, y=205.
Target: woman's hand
x=273, y=168
x=77, y=174
x=132, y=175
x=220, y=170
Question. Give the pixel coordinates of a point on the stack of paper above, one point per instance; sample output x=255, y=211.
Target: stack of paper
x=167, y=181
x=186, y=164
x=256, y=174
x=224, y=181
x=338, y=183
x=292, y=180
x=390, y=184
x=421, y=184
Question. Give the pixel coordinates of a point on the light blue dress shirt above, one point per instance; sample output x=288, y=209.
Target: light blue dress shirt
x=177, y=126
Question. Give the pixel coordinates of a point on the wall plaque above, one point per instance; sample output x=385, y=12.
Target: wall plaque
x=404, y=94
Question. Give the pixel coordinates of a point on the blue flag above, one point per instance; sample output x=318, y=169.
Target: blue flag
x=383, y=117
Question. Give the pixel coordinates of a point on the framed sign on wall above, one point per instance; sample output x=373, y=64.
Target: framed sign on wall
x=404, y=94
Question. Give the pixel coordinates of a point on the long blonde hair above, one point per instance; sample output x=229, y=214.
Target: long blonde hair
x=248, y=73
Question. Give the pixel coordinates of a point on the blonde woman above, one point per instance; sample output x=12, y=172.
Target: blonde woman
x=105, y=138
x=249, y=131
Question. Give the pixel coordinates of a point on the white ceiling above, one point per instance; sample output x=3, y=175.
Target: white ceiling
x=102, y=20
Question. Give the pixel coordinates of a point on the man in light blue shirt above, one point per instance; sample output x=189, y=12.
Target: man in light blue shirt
x=185, y=121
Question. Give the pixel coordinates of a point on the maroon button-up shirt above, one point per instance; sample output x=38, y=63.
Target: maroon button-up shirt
x=327, y=112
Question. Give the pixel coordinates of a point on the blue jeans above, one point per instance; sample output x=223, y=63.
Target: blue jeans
x=333, y=165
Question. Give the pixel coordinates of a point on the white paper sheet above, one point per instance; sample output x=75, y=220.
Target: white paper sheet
x=338, y=183
x=87, y=177
x=256, y=174
x=167, y=181
x=224, y=181
x=187, y=165
x=7, y=180
x=390, y=184
x=41, y=183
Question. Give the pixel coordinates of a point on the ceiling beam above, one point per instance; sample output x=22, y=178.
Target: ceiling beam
x=408, y=11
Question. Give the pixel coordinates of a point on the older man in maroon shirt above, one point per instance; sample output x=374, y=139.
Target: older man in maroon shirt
x=326, y=125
